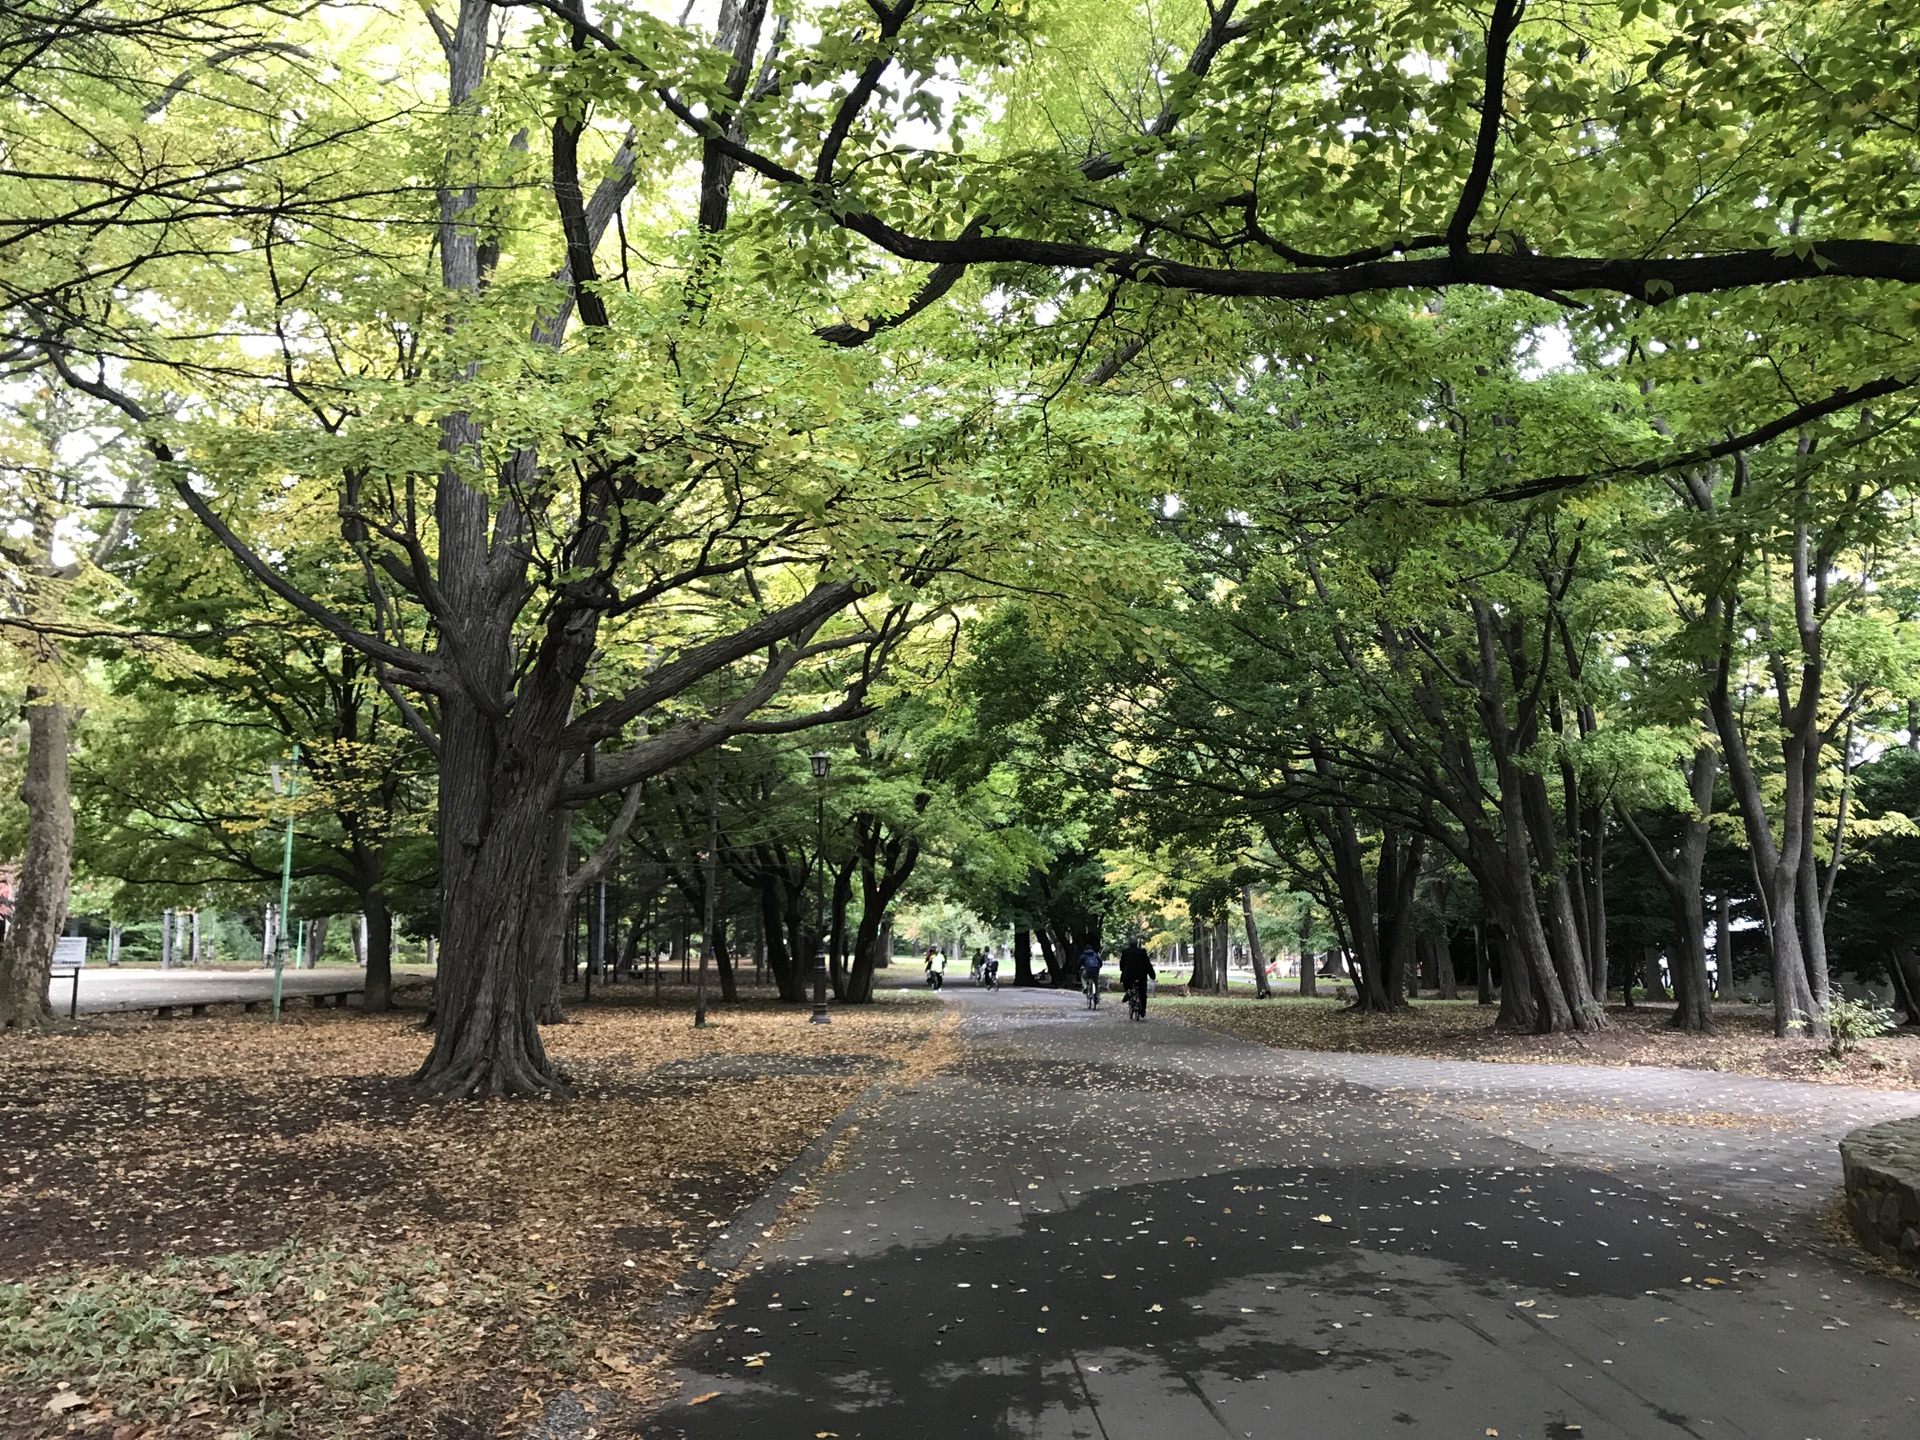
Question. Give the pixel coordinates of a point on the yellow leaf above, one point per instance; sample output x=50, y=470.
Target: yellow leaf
x=702, y=1399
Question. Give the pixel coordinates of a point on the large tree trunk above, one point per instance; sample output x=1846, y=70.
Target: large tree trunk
x=1398, y=878
x=1564, y=925
x=1023, y=958
x=1650, y=965
x=40, y=898
x=1261, y=989
x=501, y=765
x=1049, y=954
x=1518, y=1013
x=1309, y=979
x=885, y=868
x=1200, y=979
x=839, y=901
x=378, y=995
x=1692, y=990
x=498, y=929
x=1363, y=925
x=559, y=925
x=780, y=962
x=1530, y=994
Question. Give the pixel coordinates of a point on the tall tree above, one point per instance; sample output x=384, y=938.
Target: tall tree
x=54, y=475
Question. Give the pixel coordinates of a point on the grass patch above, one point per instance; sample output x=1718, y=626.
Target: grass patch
x=303, y=1333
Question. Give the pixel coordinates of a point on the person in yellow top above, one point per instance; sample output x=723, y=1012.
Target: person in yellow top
x=936, y=967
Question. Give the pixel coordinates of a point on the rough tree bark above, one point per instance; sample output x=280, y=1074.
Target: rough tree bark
x=1445, y=976
x=1262, y=989
x=1363, y=924
x=378, y=996
x=1200, y=980
x=40, y=898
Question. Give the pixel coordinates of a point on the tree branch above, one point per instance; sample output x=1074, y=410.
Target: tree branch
x=1841, y=399
x=420, y=669
x=1506, y=17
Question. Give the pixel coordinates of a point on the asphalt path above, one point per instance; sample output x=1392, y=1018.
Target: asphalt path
x=1094, y=1228
x=104, y=989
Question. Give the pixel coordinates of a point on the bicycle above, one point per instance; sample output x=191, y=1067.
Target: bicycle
x=1090, y=987
x=1137, y=1001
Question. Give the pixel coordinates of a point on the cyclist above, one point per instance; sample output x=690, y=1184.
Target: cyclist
x=936, y=967
x=1136, y=969
x=989, y=969
x=1090, y=976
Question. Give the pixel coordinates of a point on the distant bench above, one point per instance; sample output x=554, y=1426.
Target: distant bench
x=70, y=958
x=338, y=995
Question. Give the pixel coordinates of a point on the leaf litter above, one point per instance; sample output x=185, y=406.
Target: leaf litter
x=1742, y=1044
x=221, y=1227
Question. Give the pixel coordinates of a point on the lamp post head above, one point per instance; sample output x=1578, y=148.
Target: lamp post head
x=819, y=760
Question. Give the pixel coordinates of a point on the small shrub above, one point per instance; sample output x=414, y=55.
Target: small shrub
x=1851, y=1021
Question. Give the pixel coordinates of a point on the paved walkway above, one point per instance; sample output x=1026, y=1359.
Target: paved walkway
x=1092, y=1228
x=104, y=989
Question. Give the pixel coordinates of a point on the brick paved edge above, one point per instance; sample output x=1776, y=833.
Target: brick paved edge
x=1882, y=1164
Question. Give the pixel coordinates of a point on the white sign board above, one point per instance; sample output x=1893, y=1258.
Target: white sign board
x=70, y=950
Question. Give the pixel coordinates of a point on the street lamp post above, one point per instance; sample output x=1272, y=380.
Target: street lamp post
x=820, y=762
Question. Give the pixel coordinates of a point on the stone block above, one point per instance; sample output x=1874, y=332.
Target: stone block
x=1882, y=1164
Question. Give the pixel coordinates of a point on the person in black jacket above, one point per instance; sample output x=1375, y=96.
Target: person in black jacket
x=1136, y=968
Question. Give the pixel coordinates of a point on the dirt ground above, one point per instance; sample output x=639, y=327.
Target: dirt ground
x=1743, y=1041
x=224, y=1228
